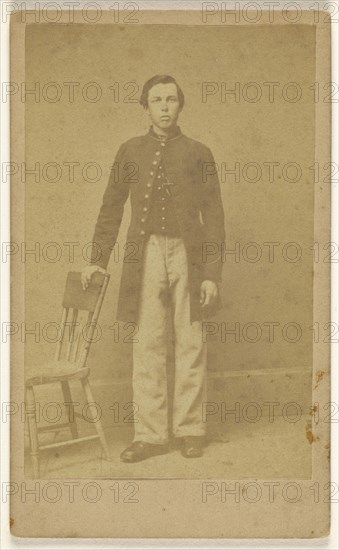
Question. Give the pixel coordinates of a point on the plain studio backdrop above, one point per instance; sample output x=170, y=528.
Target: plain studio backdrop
x=243, y=130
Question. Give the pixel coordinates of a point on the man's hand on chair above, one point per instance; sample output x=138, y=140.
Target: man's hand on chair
x=208, y=293
x=87, y=273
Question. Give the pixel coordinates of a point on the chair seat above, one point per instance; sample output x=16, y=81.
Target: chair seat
x=57, y=371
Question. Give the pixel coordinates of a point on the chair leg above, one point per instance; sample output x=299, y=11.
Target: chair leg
x=33, y=430
x=66, y=391
x=89, y=396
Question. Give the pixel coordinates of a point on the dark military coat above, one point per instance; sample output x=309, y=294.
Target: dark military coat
x=195, y=192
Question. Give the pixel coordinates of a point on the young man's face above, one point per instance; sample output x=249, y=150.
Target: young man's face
x=163, y=105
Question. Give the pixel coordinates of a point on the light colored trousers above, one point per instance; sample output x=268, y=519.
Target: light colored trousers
x=165, y=273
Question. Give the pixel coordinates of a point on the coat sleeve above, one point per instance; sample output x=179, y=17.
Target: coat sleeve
x=212, y=213
x=111, y=212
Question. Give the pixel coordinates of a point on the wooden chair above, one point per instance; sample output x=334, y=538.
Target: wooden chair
x=70, y=363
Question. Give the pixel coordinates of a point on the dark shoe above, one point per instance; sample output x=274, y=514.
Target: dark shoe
x=140, y=450
x=192, y=446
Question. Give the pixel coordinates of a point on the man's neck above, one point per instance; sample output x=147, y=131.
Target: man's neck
x=161, y=133
x=164, y=134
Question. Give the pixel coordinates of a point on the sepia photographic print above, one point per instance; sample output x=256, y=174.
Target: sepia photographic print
x=170, y=271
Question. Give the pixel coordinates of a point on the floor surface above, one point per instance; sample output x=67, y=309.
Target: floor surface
x=260, y=450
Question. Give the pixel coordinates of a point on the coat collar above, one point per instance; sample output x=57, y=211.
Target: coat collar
x=174, y=134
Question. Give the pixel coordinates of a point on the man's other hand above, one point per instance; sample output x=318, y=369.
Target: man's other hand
x=208, y=293
x=87, y=273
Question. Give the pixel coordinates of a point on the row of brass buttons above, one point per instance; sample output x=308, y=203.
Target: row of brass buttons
x=149, y=185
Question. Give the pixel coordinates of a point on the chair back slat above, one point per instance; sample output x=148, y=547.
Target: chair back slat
x=83, y=308
x=78, y=342
x=83, y=328
x=71, y=334
x=63, y=326
x=87, y=338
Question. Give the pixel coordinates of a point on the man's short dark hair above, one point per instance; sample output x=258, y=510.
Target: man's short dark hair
x=160, y=79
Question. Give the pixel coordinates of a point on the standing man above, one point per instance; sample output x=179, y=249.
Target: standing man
x=177, y=215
